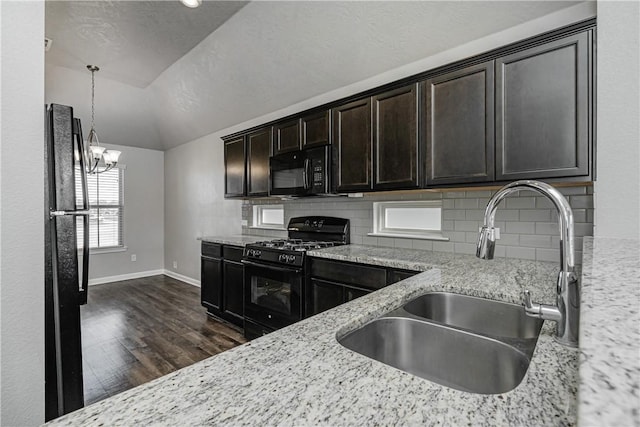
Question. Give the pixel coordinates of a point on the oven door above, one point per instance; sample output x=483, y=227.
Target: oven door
x=273, y=294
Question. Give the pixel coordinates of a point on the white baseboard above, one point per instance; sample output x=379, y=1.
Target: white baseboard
x=182, y=278
x=173, y=274
x=109, y=279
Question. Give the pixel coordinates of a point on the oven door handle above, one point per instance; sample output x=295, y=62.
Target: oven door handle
x=272, y=267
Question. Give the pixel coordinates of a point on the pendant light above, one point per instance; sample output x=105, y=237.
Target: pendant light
x=100, y=159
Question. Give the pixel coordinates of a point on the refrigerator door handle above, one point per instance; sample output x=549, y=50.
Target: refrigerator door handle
x=84, y=283
x=54, y=214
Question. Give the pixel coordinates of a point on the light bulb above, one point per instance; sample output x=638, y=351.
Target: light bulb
x=191, y=3
x=111, y=156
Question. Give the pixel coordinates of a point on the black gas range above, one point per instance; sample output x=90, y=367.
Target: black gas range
x=274, y=272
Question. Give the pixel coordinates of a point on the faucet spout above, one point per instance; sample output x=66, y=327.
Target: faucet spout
x=566, y=313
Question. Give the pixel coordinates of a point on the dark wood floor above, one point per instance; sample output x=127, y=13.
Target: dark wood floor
x=137, y=330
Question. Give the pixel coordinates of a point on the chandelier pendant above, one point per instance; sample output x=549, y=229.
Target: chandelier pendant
x=100, y=159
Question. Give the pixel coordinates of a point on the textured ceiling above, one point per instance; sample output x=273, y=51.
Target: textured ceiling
x=131, y=41
x=267, y=56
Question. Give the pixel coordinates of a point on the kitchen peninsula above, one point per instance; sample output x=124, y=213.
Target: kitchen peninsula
x=301, y=375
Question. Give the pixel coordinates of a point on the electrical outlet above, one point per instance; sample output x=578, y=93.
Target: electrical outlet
x=133, y=257
x=175, y=264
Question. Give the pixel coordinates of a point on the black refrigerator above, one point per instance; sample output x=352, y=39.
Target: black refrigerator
x=66, y=240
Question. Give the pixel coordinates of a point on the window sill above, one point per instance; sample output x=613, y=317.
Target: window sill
x=98, y=251
x=410, y=236
x=253, y=227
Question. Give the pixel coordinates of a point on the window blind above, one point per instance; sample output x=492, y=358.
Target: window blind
x=106, y=201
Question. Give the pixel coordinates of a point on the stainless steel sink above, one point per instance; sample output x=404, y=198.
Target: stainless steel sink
x=466, y=343
x=494, y=318
x=449, y=357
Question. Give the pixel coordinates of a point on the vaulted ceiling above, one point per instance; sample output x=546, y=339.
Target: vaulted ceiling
x=170, y=74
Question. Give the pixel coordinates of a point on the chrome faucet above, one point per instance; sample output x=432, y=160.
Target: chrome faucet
x=566, y=312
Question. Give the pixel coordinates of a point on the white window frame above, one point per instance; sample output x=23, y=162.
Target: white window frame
x=93, y=208
x=257, y=217
x=380, y=215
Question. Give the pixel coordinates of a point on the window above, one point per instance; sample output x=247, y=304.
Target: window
x=106, y=199
x=268, y=216
x=413, y=219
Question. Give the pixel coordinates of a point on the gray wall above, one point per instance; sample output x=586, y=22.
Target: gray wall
x=617, y=191
x=22, y=214
x=143, y=218
x=528, y=224
x=195, y=205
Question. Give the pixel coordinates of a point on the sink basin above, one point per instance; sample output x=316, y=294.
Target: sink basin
x=447, y=356
x=494, y=318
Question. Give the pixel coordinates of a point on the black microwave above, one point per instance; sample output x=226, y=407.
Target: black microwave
x=301, y=173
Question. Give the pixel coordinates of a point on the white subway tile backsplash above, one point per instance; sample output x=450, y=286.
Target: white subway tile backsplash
x=520, y=203
x=453, y=214
x=507, y=214
x=578, y=202
x=426, y=245
x=573, y=191
x=443, y=246
x=473, y=214
x=521, y=227
x=464, y=248
x=528, y=223
x=455, y=236
x=537, y=215
x=551, y=255
x=508, y=239
x=448, y=204
x=387, y=242
x=466, y=225
x=547, y=228
x=466, y=204
x=535, y=241
x=520, y=252
x=402, y=243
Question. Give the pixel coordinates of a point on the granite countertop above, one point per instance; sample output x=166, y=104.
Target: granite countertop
x=236, y=239
x=610, y=333
x=301, y=375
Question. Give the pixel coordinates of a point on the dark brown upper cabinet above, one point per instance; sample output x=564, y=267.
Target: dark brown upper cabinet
x=286, y=136
x=234, y=167
x=352, y=146
x=258, y=152
x=459, y=125
x=543, y=110
x=316, y=129
x=395, y=139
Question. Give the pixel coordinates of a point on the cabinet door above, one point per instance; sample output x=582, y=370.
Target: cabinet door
x=316, y=129
x=211, y=283
x=234, y=168
x=286, y=137
x=352, y=293
x=258, y=151
x=323, y=296
x=233, y=291
x=352, y=146
x=460, y=126
x=395, y=139
x=542, y=108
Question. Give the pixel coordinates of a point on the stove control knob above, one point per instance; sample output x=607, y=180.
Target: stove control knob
x=283, y=258
x=291, y=259
x=254, y=253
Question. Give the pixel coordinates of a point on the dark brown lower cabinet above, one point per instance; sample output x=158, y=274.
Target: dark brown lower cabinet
x=221, y=281
x=211, y=284
x=233, y=291
x=331, y=283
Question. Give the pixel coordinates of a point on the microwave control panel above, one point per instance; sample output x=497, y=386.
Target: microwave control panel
x=317, y=169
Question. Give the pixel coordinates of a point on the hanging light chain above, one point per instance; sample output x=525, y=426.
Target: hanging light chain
x=93, y=70
x=93, y=97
